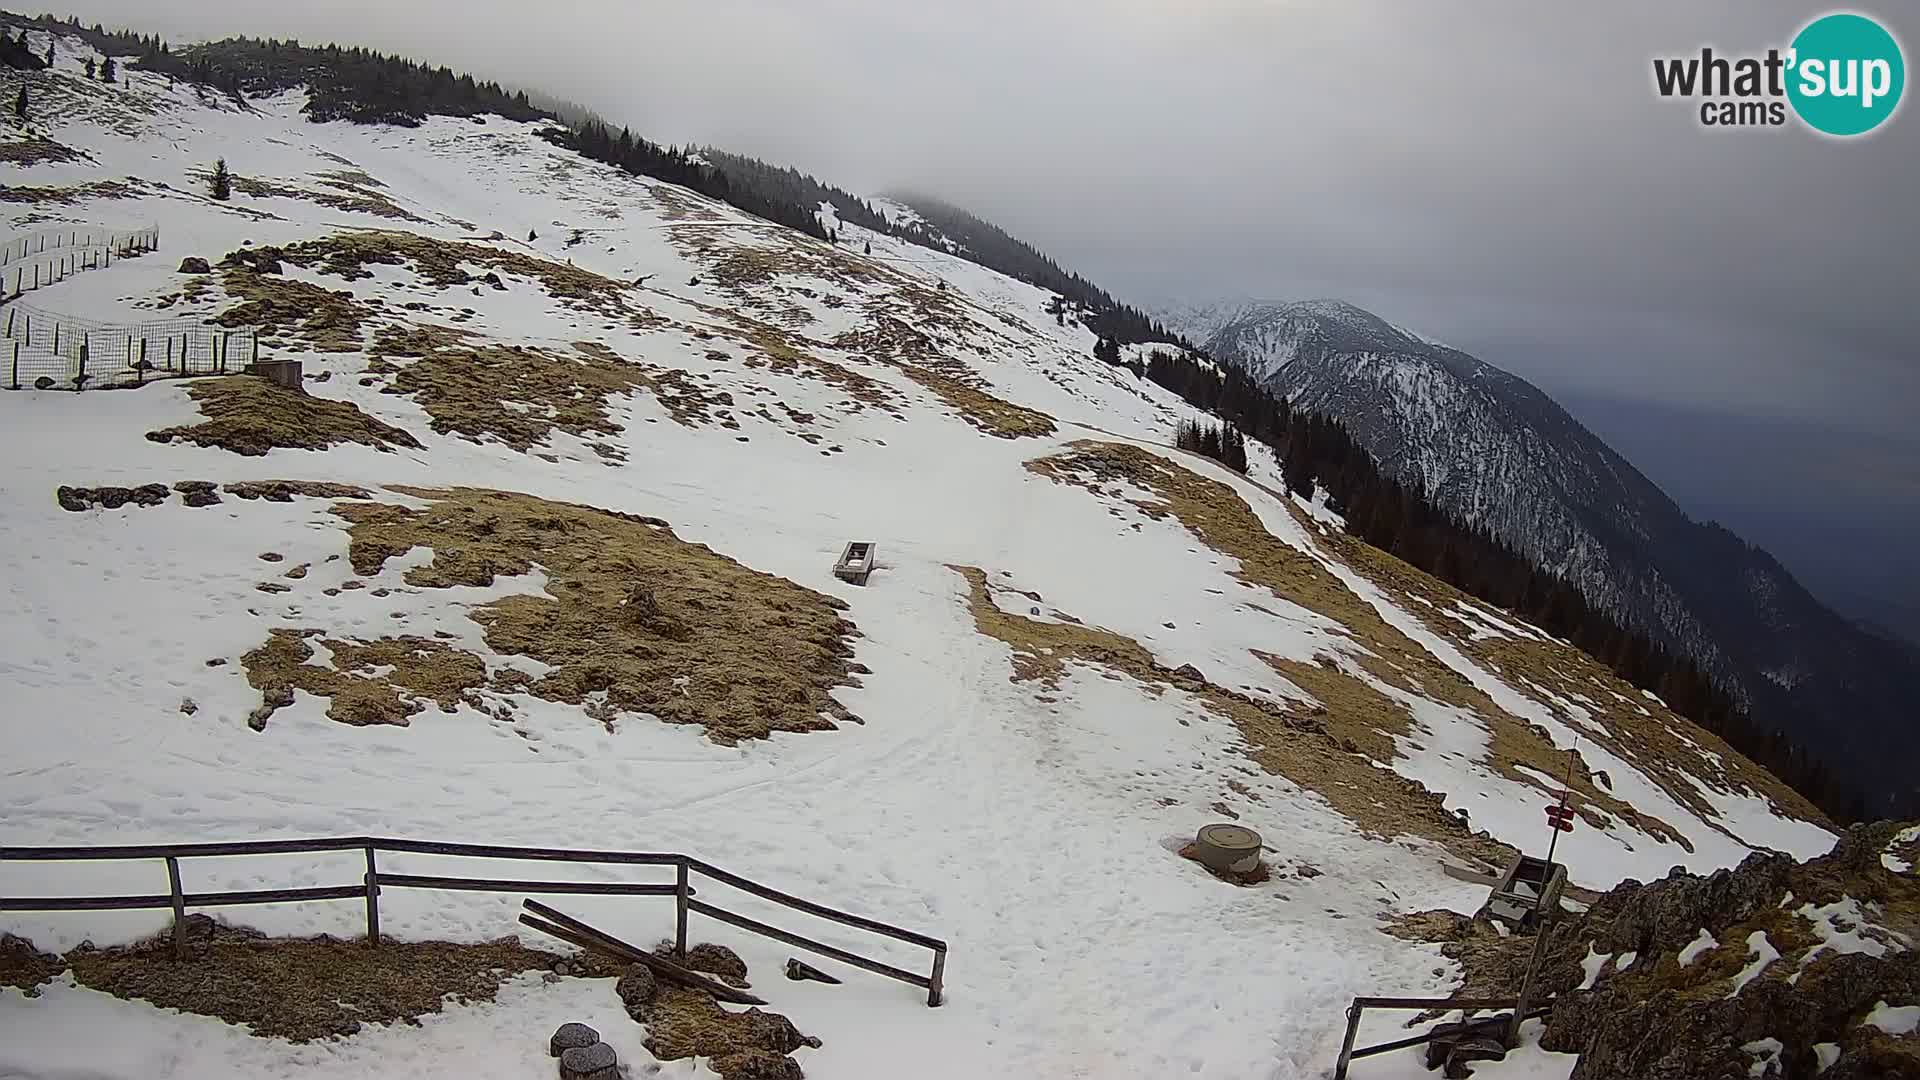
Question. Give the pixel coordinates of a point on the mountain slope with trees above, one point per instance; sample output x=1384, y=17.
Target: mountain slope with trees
x=1497, y=455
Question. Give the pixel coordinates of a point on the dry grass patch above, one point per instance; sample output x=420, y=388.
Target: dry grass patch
x=1300, y=748
x=419, y=670
x=750, y=1045
x=786, y=353
x=36, y=150
x=303, y=989
x=348, y=196
x=24, y=967
x=287, y=490
x=249, y=415
x=515, y=394
x=444, y=264
x=634, y=619
x=1223, y=521
x=65, y=196
x=681, y=393
x=324, y=320
x=1666, y=747
x=891, y=341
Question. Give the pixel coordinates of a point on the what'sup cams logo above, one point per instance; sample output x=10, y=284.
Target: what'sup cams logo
x=1842, y=76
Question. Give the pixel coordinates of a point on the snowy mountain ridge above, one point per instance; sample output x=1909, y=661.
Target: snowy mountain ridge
x=543, y=555
x=1498, y=453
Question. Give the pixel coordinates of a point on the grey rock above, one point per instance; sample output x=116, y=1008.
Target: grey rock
x=637, y=987
x=570, y=1036
x=193, y=264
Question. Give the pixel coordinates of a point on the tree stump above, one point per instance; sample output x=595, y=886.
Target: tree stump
x=571, y=1037
x=596, y=1062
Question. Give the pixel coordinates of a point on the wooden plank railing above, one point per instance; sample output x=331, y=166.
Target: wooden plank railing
x=1466, y=1005
x=681, y=889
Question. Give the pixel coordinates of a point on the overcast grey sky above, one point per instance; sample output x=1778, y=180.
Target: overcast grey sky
x=1501, y=176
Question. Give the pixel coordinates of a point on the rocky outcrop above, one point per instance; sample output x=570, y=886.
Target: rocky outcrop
x=1845, y=927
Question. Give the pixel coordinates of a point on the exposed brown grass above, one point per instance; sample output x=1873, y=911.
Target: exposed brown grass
x=24, y=967
x=1664, y=746
x=304, y=989
x=472, y=390
x=35, y=150
x=634, y=617
x=324, y=320
x=287, y=490
x=1224, y=522
x=1299, y=748
x=893, y=342
x=445, y=264
x=683, y=1023
x=787, y=353
x=348, y=196
x=423, y=669
x=65, y=196
x=249, y=415
x=684, y=394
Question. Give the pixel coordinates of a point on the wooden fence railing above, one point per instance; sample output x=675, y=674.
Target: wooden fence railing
x=371, y=883
x=1501, y=1025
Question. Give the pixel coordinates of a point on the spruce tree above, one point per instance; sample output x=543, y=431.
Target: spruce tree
x=107, y=70
x=49, y=50
x=222, y=183
x=92, y=69
x=868, y=249
x=20, y=105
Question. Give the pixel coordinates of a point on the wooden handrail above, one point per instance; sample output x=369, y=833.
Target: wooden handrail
x=811, y=908
x=371, y=882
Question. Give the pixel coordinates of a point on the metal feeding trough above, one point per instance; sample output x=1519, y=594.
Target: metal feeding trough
x=1233, y=849
x=856, y=562
x=1529, y=888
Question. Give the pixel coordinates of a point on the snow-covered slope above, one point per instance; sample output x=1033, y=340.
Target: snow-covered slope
x=1497, y=452
x=1079, y=646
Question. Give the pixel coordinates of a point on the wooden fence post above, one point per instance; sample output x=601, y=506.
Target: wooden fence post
x=680, y=912
x=373, y=901
x=179, y=909
x=1346, y=1048
x=56, y=337
x=936, y=983
x=16, y=365
x=81, y=382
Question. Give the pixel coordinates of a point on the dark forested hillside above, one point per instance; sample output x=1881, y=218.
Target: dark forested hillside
x=992, y=247
x=1317, y=451
x=790, y=186
x=346, y=83
x=676, y=166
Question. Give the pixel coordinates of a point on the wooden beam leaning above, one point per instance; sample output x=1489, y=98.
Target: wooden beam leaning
x=600, y=941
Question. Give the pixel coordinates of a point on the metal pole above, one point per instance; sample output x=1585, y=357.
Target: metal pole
x=1526, y=985
x=179, y=909
x=1566, y=791
x=373, y=901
